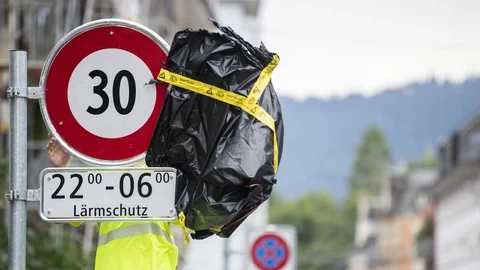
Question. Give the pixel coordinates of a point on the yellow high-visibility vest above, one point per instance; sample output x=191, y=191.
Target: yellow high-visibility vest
x=135, y=245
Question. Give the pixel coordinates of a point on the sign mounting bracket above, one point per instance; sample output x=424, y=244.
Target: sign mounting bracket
x=25, y=92
x=29, y=195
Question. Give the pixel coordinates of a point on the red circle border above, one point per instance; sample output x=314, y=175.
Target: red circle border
x=56, y=96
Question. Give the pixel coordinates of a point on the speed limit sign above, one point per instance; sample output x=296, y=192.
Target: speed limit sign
x=93, y=92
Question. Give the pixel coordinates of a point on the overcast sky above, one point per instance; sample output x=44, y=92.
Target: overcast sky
x=338, y=47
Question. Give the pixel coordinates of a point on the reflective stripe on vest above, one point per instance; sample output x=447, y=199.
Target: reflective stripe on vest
x=133, y=230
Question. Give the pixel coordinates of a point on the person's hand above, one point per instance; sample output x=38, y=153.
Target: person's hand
x=56, y=154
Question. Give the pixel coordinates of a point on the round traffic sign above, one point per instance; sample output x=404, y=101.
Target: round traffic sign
x=270, y=252
x=94, y=97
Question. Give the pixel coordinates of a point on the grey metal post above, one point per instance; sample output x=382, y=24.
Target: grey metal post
x=18, y=162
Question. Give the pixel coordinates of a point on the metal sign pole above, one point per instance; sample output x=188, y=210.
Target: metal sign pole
x=18, y=160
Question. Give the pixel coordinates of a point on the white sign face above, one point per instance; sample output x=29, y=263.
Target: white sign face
x=273, y=247
x=120, y=102
x=102, y=194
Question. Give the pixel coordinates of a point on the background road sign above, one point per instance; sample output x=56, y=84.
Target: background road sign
x=110, y=193
x=272, y=248
x=93, y=93
x=270, y=251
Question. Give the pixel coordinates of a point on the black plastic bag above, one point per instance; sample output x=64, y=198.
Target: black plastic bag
x=224, y=156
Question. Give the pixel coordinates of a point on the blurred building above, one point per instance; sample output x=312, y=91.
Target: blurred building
x=457, y=196
x=36, y=25
x=387, y=226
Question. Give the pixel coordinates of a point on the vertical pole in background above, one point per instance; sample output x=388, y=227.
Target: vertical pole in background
x=226, y=255
x=18, y=161
x=13, y=23
x=58, y=20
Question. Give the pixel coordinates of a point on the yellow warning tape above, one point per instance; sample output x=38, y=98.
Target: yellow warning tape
x=263, y=79
x=186, y=231
x=248, y=104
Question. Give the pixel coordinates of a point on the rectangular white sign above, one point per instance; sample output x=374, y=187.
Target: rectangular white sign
x=102, y=194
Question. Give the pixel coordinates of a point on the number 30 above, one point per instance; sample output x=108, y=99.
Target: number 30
x=99, y=90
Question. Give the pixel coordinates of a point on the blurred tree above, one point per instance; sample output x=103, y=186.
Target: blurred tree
x=275, y=199
x=368, y=173
x=3, y=178
x=349, y=214
x=428, y=160
x=426, y=232
x=46, y=251
x=326, y=229
x=373, y=157
x=320, y=226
